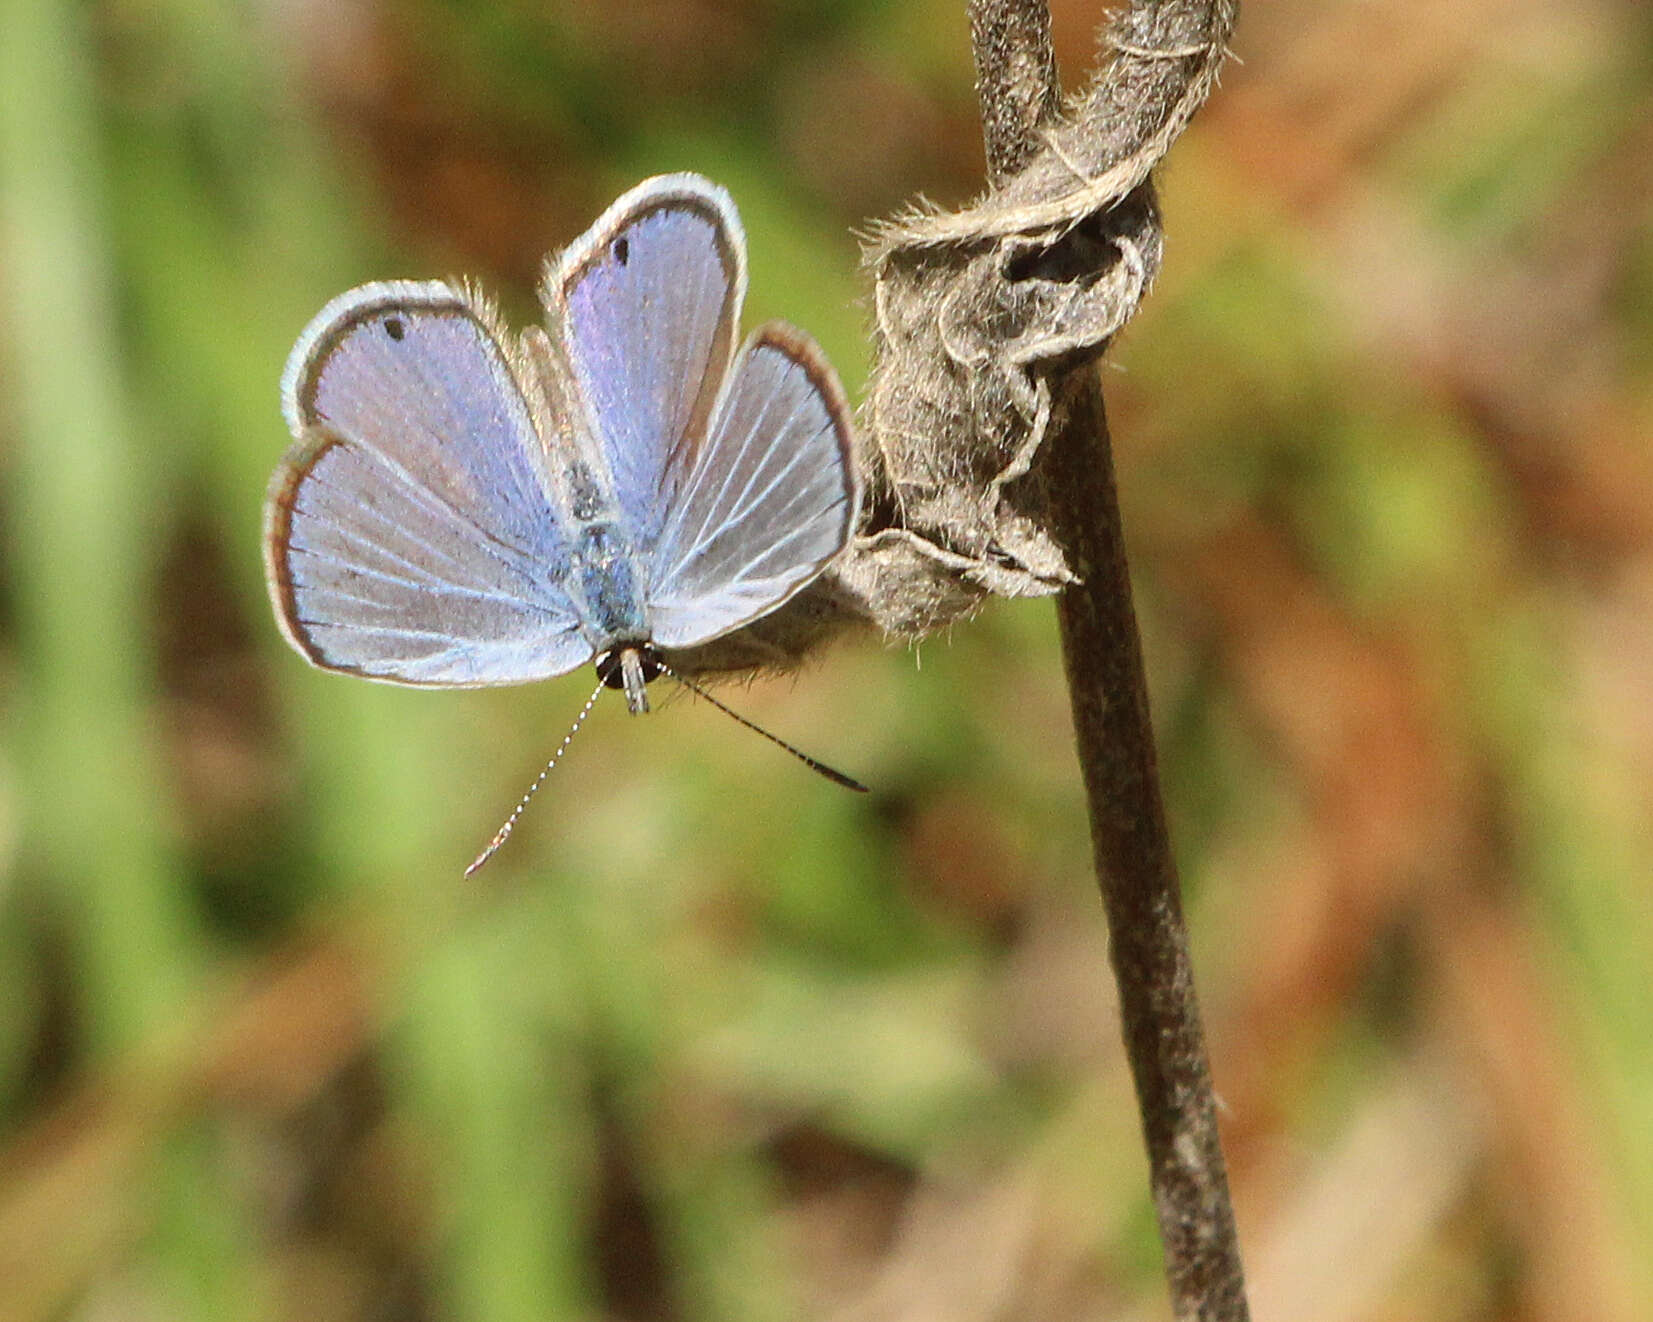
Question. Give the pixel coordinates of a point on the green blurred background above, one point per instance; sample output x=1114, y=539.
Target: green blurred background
x=712, y=1039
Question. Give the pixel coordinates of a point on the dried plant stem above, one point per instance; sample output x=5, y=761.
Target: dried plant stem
x=1164, y=1038
x=1102, y=654
x=1015, y=79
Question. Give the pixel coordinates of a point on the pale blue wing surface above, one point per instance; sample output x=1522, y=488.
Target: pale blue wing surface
x=765, y=503
x=648, y=302
x=409, y=534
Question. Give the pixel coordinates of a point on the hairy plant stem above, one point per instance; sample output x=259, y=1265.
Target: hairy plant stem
x=1102, y=655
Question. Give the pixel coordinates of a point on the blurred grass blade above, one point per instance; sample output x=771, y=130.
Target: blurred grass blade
x=78, y=547
x=81, y=514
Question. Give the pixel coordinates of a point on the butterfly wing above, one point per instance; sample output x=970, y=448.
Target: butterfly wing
x=646, y=304
x=738, y=486
x=410, y=533
x=765, y=502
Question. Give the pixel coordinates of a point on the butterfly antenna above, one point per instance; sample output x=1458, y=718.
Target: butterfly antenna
x=836, y=777
x=504, y=832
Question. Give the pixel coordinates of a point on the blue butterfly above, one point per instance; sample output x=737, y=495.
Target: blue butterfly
x=463, y=506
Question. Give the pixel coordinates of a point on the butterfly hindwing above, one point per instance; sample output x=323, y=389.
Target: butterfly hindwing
x=764, y=503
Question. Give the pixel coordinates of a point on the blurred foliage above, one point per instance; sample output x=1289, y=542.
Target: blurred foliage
x=712, y=1039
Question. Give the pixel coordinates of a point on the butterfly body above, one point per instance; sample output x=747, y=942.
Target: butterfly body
x=463, y=506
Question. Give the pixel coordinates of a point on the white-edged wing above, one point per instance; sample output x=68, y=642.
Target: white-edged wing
x=410, y=534
x=647, y=305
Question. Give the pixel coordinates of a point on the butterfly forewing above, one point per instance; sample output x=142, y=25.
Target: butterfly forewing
x=764, y=503
x=647, y=303
x=410, y=533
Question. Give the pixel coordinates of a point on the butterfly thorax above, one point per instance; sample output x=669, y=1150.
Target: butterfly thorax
x=604, y=574
x=607, y=579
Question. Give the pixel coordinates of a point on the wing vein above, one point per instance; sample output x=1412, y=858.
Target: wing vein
x=433, y=503
x=716, y=502
x=458, y=523
x=745, y=502
x=436, y=589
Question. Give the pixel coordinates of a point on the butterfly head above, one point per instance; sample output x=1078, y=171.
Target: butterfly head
x=631, y=667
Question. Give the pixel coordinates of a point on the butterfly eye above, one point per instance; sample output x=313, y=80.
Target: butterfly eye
x=622, y=251
x=394, y=328
x=611, y=664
